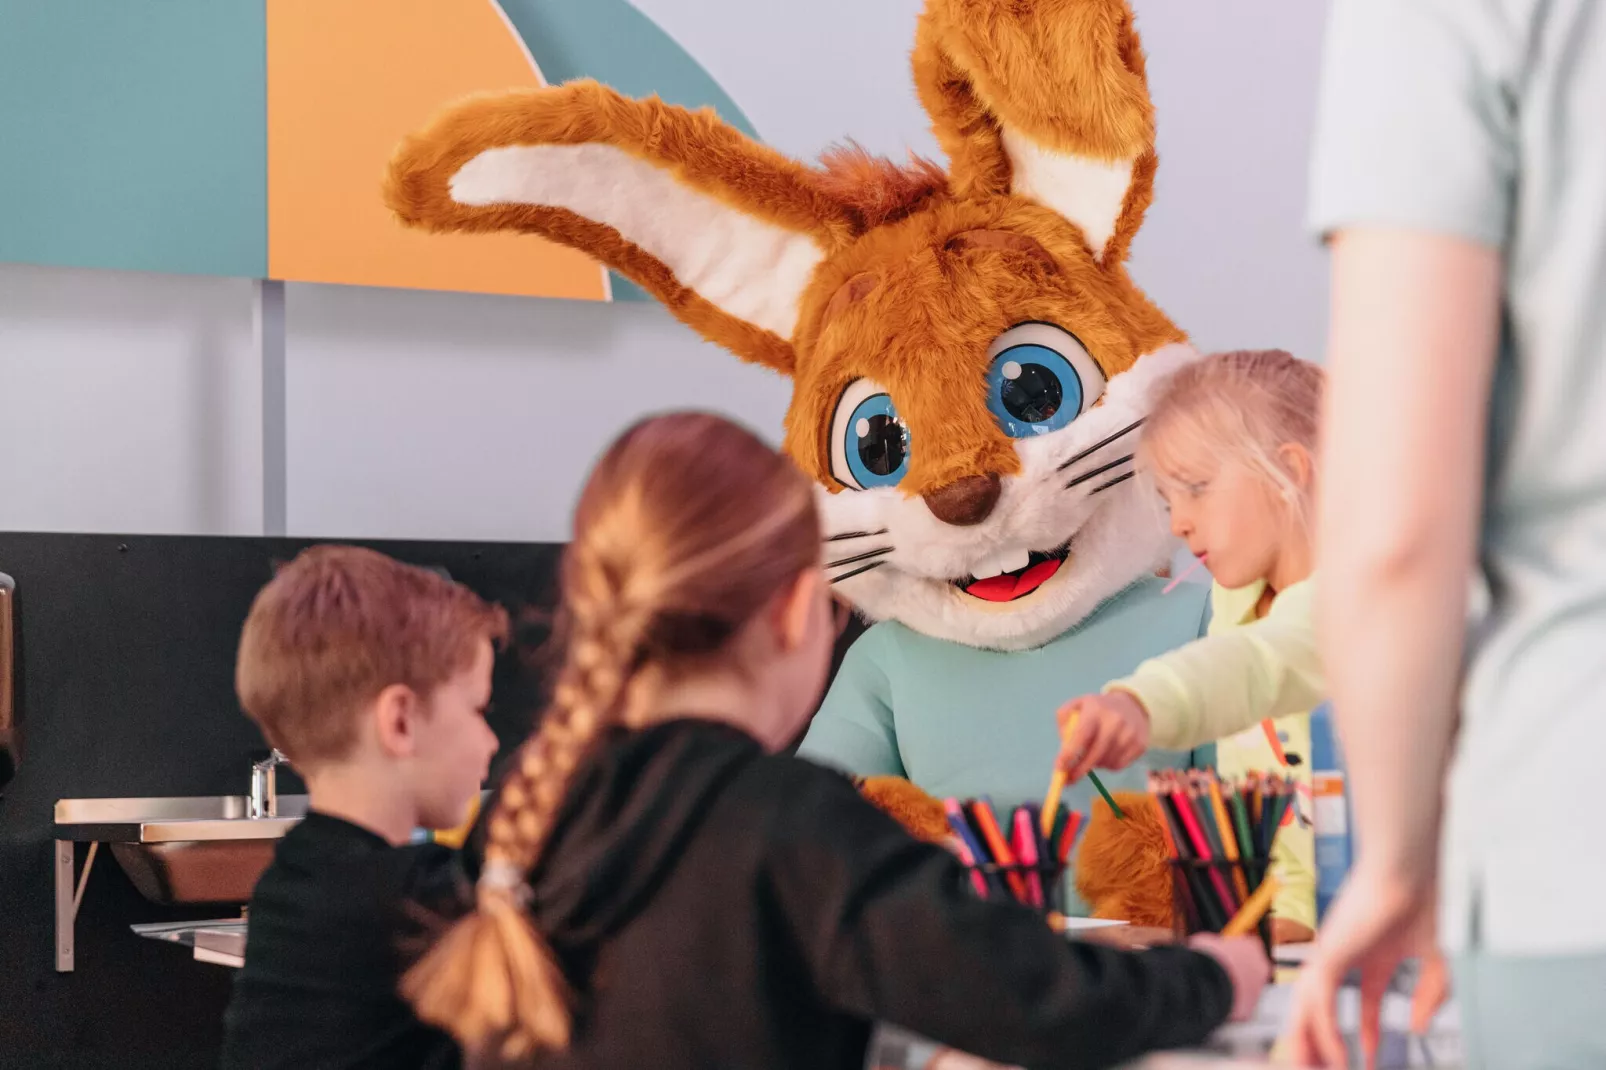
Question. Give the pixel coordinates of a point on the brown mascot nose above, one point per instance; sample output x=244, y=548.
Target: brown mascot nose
x=965, y=501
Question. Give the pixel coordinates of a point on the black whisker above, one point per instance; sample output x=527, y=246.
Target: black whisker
x=854, y=535
x=1100, y=470
x=1127, y=430
x=883, y=551
x=1117, y=481
x=857, y=571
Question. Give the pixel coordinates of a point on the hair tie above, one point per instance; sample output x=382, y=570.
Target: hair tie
x=505, y=877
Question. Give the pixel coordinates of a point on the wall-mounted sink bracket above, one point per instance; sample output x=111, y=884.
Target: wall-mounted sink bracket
x=187, y=849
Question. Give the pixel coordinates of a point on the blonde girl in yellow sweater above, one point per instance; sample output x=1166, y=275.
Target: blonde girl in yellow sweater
x=1231, y=448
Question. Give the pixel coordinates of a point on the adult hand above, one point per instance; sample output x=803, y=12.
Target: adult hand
x=1112, y=732
x=1377, y=921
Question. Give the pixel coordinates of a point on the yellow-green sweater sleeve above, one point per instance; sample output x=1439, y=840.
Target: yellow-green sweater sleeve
x=1225, y=683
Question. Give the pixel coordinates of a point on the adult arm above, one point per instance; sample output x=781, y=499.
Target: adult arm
x=1414, y=337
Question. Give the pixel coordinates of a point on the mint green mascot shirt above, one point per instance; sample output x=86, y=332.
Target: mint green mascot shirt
x=961, y=722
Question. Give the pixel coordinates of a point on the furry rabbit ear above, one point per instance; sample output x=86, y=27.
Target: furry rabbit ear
x=725, y=232
x=1046, y=99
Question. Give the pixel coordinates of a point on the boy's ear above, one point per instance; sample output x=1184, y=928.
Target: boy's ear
x=724, y=231
x=395, y=713
x=1047, y=100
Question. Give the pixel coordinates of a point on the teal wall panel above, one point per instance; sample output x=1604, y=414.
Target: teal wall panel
x=133, y=134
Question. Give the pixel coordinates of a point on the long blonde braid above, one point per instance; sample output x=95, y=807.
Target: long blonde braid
x=670, y=556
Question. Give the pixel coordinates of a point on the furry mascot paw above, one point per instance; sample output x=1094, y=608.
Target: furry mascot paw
x=921, y=815
x=1121, y=871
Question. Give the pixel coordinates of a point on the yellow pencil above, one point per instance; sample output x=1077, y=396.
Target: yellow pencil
x=1056, y=784
x=1229, y=839
x=1251, y=912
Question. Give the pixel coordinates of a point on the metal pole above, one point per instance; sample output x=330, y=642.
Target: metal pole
x=268, y=328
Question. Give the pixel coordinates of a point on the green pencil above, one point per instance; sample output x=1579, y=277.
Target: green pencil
x=1097, y=783
x=1246, y=842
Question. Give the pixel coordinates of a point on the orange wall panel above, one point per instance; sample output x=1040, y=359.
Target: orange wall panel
x=347, y=80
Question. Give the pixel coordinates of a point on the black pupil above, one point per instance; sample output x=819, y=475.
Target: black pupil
x=1034, y=395
x=882, y=449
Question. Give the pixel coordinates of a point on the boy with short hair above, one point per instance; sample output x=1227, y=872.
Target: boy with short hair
x=372, y=677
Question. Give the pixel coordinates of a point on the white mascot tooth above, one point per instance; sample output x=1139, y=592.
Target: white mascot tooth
x=1015, y=560
x=988, y=567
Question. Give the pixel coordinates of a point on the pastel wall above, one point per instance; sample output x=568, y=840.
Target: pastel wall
x=132, y=135
x=146, y=141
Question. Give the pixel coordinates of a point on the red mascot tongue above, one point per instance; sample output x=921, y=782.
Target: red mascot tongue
x=1013, y=585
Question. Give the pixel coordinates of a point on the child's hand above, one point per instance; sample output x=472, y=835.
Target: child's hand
x=1246, y=964
x=1112, y=732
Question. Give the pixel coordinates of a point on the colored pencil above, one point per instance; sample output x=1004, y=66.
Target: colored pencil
x=970, y=853
x=1056, y=783
x=1060, y=820
x=1099, y=784
x=1201, y=845
x=993, y=835
x=1068, y=837
x=1250, y=914
x=1246, y=842
x=1229, y=839
x=1026, y=852
x=1165, y=824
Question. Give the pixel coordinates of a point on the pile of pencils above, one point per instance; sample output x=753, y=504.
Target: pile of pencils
x=1013, y=859
x=1220, y=836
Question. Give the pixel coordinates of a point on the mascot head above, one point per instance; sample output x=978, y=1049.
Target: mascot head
x=970, y=359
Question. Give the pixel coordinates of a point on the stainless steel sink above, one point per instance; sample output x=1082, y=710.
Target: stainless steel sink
x=185, y=849
x=173, y=820
x=196, y=849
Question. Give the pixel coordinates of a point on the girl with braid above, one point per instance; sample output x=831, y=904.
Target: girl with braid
x=662, y=885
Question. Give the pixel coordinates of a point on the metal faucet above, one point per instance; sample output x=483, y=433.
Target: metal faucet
x=264, y=801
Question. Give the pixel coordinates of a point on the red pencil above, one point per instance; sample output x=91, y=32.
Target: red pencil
x=1068, y=836
x=1165, y=824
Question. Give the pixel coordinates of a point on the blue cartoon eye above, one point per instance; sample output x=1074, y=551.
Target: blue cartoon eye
x=869, y=441
x=1041, y=378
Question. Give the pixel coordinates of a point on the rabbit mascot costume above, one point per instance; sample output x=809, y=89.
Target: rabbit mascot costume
x=970, y=361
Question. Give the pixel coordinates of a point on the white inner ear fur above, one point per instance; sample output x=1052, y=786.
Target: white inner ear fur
x=746, y=267
x=1088, y=192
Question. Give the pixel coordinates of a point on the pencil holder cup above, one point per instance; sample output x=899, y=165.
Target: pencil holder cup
x=1041, y=887
x=1204, y=894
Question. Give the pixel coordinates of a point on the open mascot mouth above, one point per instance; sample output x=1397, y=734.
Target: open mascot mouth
x=995, y=581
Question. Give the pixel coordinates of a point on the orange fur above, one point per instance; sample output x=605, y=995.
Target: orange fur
x=876, y=191
x=1121, y=869
x=923, y=331
x=703, y=152
x=906, y=804
x=1069, y=74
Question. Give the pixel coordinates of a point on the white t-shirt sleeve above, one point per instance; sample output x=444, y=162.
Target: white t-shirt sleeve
x=1416, y=124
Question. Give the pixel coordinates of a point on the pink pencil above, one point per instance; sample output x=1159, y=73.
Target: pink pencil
x=1198, y=563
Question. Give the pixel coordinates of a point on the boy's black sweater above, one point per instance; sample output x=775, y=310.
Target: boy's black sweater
x=329, y=922
x=715, y=906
